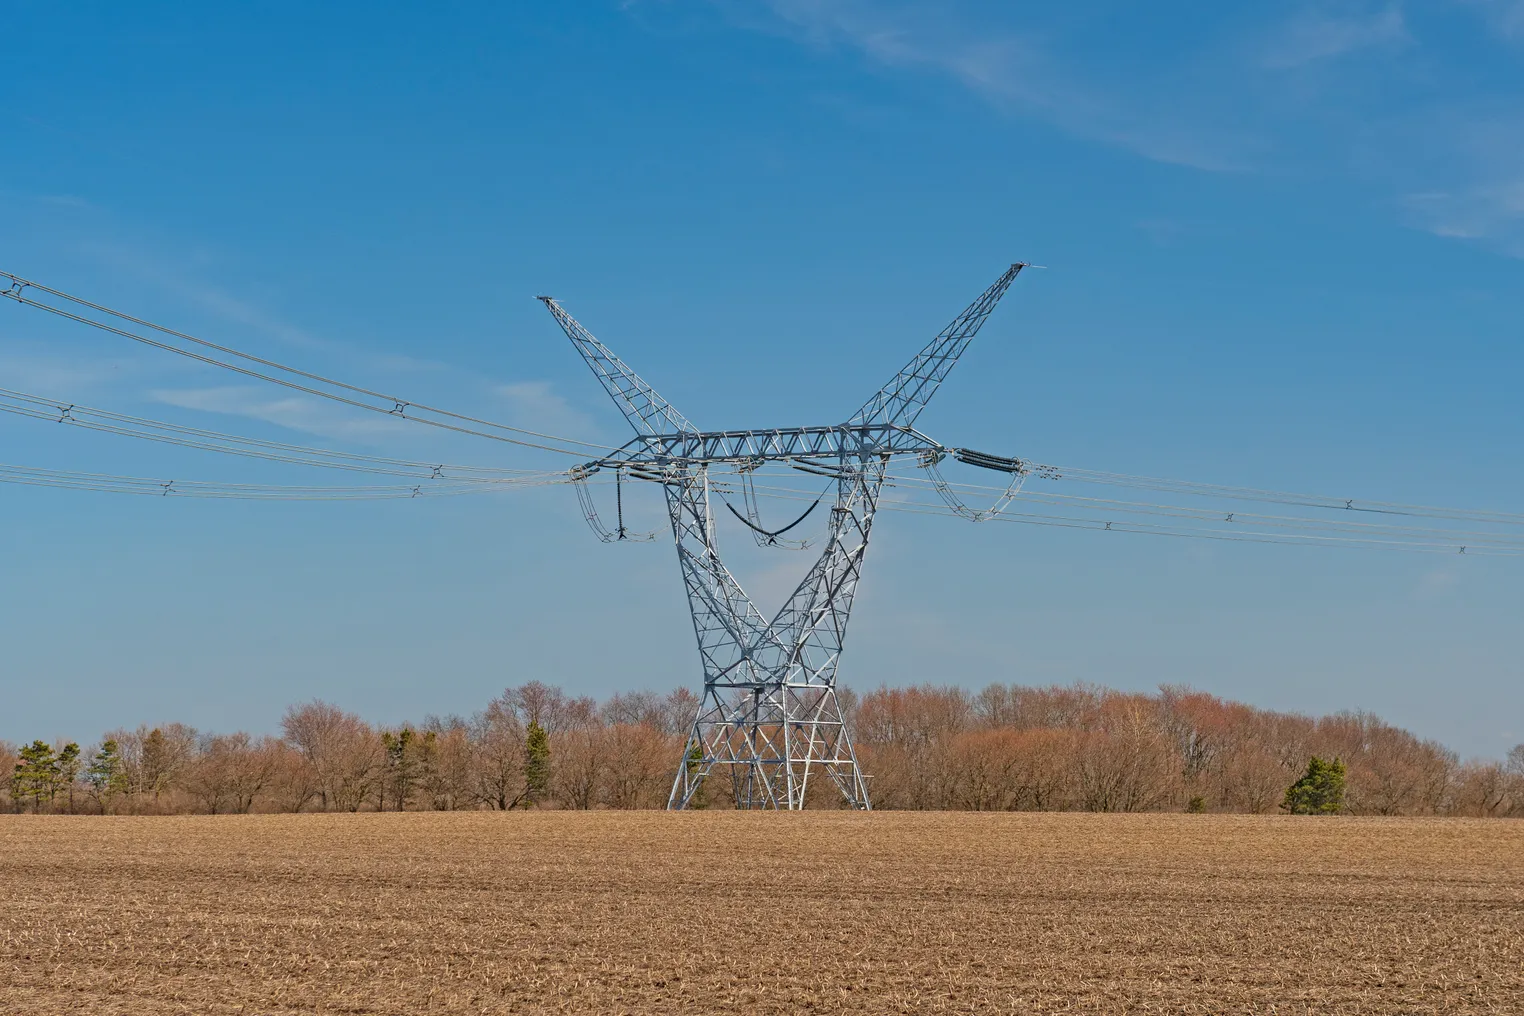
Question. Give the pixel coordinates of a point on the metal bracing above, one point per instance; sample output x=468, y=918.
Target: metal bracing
x=770, y=709
x=902, y=399
x=771, y=445
x=770, y=714
x=646, y=410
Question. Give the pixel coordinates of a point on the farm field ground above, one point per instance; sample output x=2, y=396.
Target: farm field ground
x=646, y=912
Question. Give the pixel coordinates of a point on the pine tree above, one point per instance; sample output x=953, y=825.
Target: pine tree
x=694, y=762
x=399, y=764
x=426, y=766
x=68, y=764
x=36, y=774
x=106, y=774
x=1320, y=791
x=536, y=763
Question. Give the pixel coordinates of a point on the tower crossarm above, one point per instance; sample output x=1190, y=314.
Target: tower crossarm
x=902, y=399
x=823, y=445
x=647, y=411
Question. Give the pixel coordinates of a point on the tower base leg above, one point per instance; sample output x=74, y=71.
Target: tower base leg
x=776, y=742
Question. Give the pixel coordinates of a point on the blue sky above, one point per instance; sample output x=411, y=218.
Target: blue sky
x=1283, y=248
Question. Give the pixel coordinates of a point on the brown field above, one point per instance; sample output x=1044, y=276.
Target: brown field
x=629, y=912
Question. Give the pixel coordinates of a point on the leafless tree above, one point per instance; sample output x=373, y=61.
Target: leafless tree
x=497, y=754
x=1126, y=764
x=1004, y=747
x=229, y=771
x=293, y=782
x=632, y=707
x=581, y=758
x=639, y=769
x=446, y=781
x=1481, y=790
x=8, y=759
x=342, y=749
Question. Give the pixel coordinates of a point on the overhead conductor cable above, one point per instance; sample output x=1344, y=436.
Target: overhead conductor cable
x=398, y=407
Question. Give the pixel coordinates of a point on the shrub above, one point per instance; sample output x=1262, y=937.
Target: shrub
x=1320, y=791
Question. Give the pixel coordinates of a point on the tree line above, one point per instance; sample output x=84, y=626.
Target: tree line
x=926, y=747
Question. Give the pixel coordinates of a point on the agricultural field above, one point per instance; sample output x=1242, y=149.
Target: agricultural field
x=648, y=912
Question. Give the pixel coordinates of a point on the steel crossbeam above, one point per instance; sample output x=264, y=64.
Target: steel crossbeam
x=781, y=444
x=770, y=713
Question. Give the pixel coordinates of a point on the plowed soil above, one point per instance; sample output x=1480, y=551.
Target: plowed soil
x=628, y=912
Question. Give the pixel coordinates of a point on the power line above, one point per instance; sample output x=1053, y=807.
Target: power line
x=73, y=414
x=1320, y=501
x=1303, y=532
x=1190, y=520
x=398, y=407
x=1492, y=548
x=1235, y=517
x=1112, y=515
x=108, y=483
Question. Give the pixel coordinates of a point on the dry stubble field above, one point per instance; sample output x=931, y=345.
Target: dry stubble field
x=723, y=912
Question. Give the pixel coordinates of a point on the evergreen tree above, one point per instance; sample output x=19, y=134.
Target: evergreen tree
x=1320, y=791
x=694, y=762
x=399, y=765
x=106, y=774
x=36, y=774
x=68, y=764
x=536, y=763
x=426, y=766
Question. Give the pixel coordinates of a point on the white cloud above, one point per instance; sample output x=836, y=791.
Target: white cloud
x=1441, y=583
x=1163, y=232
x=1441, y=145
x=1505, y=17
x=535, y=405
x=1011, y=71
x=171, y=278
x=56, y=377
x=1459, y=171
x=1314, y=36
x=1488, y=212
x=295, y=412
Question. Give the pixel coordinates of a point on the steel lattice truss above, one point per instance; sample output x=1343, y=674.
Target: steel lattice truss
x=770, y=712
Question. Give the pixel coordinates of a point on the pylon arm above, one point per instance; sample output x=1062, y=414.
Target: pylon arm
x=782, y=444
x=902, y=399
x=642, y=406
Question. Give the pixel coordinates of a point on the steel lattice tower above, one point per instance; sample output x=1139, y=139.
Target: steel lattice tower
x=770, y=712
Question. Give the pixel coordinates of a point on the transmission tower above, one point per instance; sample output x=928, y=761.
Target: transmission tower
x=770, y=713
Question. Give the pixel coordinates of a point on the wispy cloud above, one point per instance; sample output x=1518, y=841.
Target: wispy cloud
x=1163, y=232
x=398, y=363
x=1492, y=213
x=182, y=283
x=1441, y=583
x=1011, y=70
x=1333, y=88
x=1314, y=35
x=57, y=377
x=295, y=412
x=536, y=405
x=1459, y=170
x=55, y=200
x=65, y=200
x=1505, y=17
